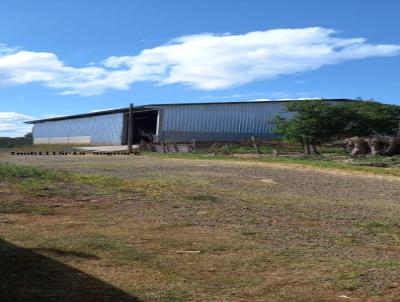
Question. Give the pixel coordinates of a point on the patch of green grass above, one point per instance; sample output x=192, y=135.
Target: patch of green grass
x=96, y=180
x=35, y=179
x=29, y=179
x=347, y=240
x=247, y=147
x=375, y=226
x=312, y=161
x=218, y=248
x=42, y=179
x=249, y=233
x=41, y=210
x=16, y=207
x=251, y=282
x=391, y=264
x=10, y=171
x=290, y=254
x=43, y=183
x=37, y=186
x=347, y=280
x=378, y=159
x=95, y=244
x=154, y=188
x=40, y=148
x=203, y=197
x=375, y=292
x=170, y=296
x=385, y=234
x=253, y=221
x=11, y=207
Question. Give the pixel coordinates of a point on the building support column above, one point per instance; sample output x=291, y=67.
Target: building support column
x=130, y=128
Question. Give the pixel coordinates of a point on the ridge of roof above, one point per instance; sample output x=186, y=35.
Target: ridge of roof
x=154, y=106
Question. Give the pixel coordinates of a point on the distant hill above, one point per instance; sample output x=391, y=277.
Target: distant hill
x=16, y=141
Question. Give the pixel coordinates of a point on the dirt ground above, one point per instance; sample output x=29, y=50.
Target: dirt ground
x=208, y=230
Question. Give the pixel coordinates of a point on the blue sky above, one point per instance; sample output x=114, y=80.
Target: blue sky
x=65, y=57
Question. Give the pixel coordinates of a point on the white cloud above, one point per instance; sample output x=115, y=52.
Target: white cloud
x=4, y=49
x=205, y=61
x=11, y=124
x=99, y=110
x=262, y=100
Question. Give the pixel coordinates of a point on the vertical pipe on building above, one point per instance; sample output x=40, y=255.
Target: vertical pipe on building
x=130, y=128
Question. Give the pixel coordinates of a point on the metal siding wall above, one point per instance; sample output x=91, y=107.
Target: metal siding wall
x=103, y=129
x=219, y=121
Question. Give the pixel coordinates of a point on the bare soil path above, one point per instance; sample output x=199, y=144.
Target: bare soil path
x=288, y=178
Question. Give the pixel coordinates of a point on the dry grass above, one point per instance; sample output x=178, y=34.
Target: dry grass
x=180, y=230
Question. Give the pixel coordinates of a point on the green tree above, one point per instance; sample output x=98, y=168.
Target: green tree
x=365, y=118
x=314, y=122
x=310, y=123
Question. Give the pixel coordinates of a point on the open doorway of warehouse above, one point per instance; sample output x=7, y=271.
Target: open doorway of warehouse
x=144, y=125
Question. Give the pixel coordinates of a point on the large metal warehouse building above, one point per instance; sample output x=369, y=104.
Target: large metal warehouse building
x=230, y=121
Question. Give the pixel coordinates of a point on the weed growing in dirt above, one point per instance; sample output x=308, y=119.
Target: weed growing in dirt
x=10, y=171
x=15, y=207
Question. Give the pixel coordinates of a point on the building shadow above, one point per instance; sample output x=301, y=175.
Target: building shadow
x=28, y=276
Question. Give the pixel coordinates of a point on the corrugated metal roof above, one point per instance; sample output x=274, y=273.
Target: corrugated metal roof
x=97, y=113
x=155, y=106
